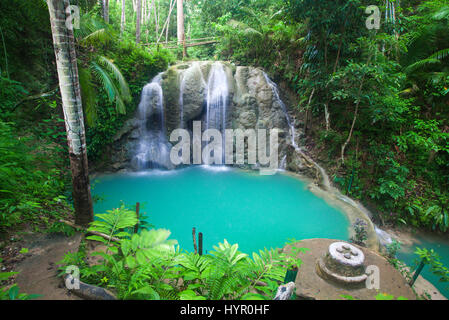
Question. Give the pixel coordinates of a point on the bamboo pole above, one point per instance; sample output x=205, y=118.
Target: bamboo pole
x=136, y=227
x=200, y=243
x=194, y=241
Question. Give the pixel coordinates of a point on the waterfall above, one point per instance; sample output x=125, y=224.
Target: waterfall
x=291, y=126
x=325, y=178
x=153, y=148
x=217, y=101
x=217, y=98
x=384, y=238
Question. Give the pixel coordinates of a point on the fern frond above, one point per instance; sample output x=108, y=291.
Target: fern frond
x=116, y=73
x=243, y=27
x=105, y=81
x=442, y=14
x=101, y=36
x=420, y=64
x=440, y=55
x=114, y=222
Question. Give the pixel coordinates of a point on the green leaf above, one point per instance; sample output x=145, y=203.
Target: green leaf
x=6, y=275
x=13, y=292
x=190, y=295
x=253, y=296
x=148, y=291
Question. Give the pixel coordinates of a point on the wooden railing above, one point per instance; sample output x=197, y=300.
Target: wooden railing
x=188, y=43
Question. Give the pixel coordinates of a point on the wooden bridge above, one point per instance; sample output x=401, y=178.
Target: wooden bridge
x=188, y=43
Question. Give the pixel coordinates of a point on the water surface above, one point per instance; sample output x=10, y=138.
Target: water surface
x=243, y=207
x=428, y=241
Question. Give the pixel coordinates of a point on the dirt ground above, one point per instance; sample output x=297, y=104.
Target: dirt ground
x=38, y=267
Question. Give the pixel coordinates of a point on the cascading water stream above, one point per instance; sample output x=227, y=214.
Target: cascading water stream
x=217, y=98
x=325, y=178
x=217, y=101
x=154, y=149
x=275, y=90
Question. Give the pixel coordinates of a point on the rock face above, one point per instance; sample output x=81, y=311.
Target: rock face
x=218, y=94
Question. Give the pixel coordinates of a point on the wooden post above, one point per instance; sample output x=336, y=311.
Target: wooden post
x=200, y=244
x=194, y=240
x=290, y=275
x=136, y=227
x=417, y=272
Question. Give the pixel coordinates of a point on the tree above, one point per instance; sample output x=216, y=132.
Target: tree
x=138, y=20
x=106, y=10
x=123, y=19
x=66, y=63
x=181, y=33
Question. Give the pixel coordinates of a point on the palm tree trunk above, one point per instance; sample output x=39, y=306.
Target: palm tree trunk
x=181, y=33
x=138, y=20
x=123, y=20
x=63, y=41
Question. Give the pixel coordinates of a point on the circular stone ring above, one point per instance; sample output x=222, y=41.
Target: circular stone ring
x=346, y=254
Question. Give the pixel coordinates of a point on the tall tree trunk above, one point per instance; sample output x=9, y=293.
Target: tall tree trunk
x=106, y=10
x=144, y=11
x=64, y=45
x=359, y=94
x=307, y=116
x=167, y=22
x=123, y=20
x=181, y=33
x=138, y=20
x=156, y=22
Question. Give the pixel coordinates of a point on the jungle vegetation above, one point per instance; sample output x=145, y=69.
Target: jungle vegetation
x=374, y=103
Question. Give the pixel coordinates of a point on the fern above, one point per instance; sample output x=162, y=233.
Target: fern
x=113, y=224
x=440, y=55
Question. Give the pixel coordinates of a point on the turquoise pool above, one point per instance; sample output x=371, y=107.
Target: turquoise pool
x=440, y=246
x=243, y=207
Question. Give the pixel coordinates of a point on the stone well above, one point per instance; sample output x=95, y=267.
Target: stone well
x=344, y=264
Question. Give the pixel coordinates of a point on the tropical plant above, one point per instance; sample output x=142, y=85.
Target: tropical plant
x=12, y=292
x=96, y=69
x=393, y=248
x=360, y=233
x=431, y=258
x=113, y=224
x=149, y=265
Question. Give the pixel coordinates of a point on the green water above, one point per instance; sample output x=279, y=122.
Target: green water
x=246, y=208
x=441, y=247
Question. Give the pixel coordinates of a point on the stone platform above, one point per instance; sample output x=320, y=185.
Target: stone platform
x=311, y=286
